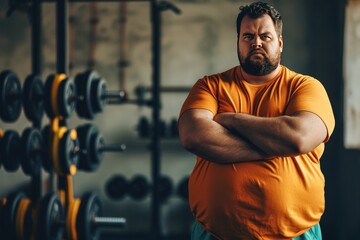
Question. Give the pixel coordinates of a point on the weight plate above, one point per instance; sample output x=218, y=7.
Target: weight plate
x=96, y=153
x=50, y=213
x=83, y=87
x=10, y=96
x=9, y=150
x=46, y=158
x=33, y=96
x=66, y=97
x=47, y=96
x=117, y=187
x=68, y=153
x=165, y=188
x=182, y=189
x=31, y=145
x=24, y=220
x=85, y=134
x=138, y=187
x=144, y=128
x=90, y=207
x=98, y=90
x=9, y=213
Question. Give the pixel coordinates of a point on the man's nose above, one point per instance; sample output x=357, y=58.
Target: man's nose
x=257, y=43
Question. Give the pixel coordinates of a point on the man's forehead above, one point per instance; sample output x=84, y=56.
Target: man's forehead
x=261, y=24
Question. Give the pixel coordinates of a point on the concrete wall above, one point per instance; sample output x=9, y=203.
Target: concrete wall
x=202, y=40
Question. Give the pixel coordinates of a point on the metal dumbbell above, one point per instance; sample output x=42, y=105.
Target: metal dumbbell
x=16, y=217
x=83, y=219
x=10, y=156
x=10, y=96
x=117, y=187
x=31, y=151
x=61, y=150
x=93, y=95
x=92, y=147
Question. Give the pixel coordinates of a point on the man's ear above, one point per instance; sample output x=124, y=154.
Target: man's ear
x=281, y=43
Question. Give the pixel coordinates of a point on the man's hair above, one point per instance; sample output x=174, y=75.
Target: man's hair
x=258, y=9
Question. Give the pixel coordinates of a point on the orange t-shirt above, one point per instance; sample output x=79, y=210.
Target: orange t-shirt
x=272, y=199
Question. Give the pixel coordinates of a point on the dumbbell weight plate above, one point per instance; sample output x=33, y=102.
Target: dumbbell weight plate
x=182, y=189
x=47, y=96
x=117, y=187
x=24, y=221
x=33, y=94
x=165, y=188
x=9, y=150
x=10, y=96
x=68, y=153
x=50, y=213
x=83, y=106
x=46, y=158
x=90, y=207
x=98, y=90
x=31, y=145
x=9, y=213
x=85, y=133
x=138, y=187
x=66, y=97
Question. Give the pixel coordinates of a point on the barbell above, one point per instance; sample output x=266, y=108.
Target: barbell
x=82, y=220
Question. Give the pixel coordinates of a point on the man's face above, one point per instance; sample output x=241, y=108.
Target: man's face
x=259, y=47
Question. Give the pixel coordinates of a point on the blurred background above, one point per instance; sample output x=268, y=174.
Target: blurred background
x=321, y=39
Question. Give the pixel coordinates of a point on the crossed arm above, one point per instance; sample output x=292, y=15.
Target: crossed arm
x=239, y=137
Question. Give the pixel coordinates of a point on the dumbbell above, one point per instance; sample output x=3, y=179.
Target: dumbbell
x=93, y=95
x=33, y=98
x=92, y=146
x=59, y=95
x=10, y=156
x=183, y=188
x=144, y=128
x=61, y=150
x=16, y=217
x=83, y=219
x=10, y=96
x=32, y=151
x=138, y=188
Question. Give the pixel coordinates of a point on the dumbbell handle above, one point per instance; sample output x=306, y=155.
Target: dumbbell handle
x=112, y=148
x=116, y=95
x=109, y=222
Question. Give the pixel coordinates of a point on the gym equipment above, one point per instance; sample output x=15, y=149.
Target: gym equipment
x=182, y=189
x=59, y=96
x=9, y=150
x=92, y=146
x=145, y=128
x=31, y=151
x=16, y=217
x=61, y=150
x=33, y=94
x=10, y=96
x=82, y=221
x=93, y=95
x=138, y=188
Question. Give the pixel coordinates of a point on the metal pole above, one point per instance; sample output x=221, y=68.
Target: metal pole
x=155, y=145
x=61, y=36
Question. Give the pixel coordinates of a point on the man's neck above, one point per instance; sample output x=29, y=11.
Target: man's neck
x=253, y=79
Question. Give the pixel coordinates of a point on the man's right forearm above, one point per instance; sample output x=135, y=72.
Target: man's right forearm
x=206, y=138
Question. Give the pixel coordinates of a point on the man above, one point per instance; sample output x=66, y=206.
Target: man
x=258, y=131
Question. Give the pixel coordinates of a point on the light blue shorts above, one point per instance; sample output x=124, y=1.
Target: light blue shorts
x=199, y=233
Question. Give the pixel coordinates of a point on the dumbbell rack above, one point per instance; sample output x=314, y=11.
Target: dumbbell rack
x=62, y=64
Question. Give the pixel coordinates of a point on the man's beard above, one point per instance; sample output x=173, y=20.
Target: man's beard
x=259, y=67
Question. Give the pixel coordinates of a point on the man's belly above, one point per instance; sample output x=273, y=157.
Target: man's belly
x=274, y=199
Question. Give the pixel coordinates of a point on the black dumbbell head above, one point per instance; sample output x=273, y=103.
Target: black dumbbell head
x=9, y=150
x=33, y=98
x=10, y=96
x=90, y=207
x=83, y=83
x=31, y=151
